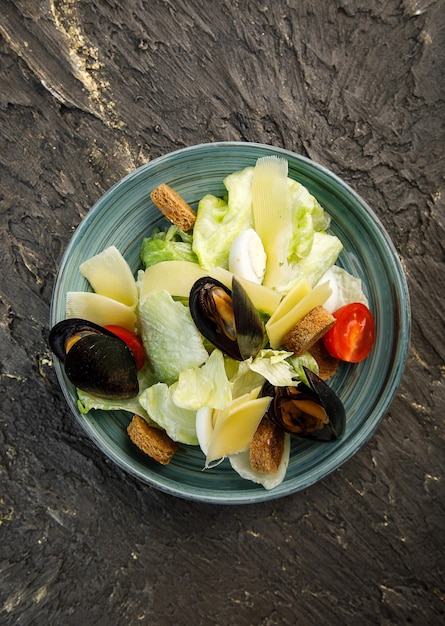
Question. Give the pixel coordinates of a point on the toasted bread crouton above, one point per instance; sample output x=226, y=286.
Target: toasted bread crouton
x=174, y=207
x=308, y=330
x=327, y=364
x=153, y=441
x=267, y=447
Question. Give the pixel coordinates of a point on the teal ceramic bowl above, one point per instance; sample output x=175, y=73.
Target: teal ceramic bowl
x=125, y=215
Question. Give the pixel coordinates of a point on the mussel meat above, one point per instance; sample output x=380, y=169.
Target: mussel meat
x=312, y=412
x=227, y=318
x=95, y=360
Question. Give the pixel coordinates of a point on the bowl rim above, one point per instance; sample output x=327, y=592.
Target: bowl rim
x=258, y=494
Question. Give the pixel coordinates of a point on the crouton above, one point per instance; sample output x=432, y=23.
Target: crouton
x=174, y=207
x=327, y=364
x=308, y=330
x=153, y=441
x=267, y=447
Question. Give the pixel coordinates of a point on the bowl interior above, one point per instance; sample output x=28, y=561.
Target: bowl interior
x=125, y=215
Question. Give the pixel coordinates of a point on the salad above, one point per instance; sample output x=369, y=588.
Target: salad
x=229, y=331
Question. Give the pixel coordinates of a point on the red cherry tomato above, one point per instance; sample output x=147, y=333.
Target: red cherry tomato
x=352, y=336
x=133, y=342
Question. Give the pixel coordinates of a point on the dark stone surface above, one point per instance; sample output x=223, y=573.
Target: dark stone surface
x=89, y=90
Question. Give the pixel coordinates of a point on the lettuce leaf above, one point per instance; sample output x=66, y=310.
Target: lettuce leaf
x=311, y=251
x=242, y=378
x=218, y=222
x=346, y=288
x=171, y=339
x=207, y=385
x=308, y=216
x=178, y=423
x=307, y=360
x=324, y=253
x=281, y=368
x=273, y=365
x=171, y=244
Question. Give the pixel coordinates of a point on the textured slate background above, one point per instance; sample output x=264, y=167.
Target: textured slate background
x=89, y=90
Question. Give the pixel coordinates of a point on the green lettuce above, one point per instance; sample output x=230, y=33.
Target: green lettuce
x=273, y=365
x=311, y=250
x=179, y=423
x=171, y=244
x=346, y=288
x=307, y=360
x=324, y=253
x=171, y=339
x=308, y=216
x=207, y=385
x=281, y=368
x=218, y=222
x=242, y=378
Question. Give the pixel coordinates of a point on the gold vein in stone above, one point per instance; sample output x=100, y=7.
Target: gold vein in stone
x=85, y=61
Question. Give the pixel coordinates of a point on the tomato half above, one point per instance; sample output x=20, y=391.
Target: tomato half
x=133, y=342
x=352, y=336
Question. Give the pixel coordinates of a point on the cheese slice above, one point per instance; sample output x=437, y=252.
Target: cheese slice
x=177, y=277
x=301, y=289
x=100, y=309
x=279, y=327
x=234, y=428
x=110, y=275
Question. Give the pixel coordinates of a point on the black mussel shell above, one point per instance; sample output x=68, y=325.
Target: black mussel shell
x=66, y=329
x=330, y=401
x=249, y=327
x=97, y=361
x=313, y=412
x=104, y=366
x=221, y=334
x=227, y=318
